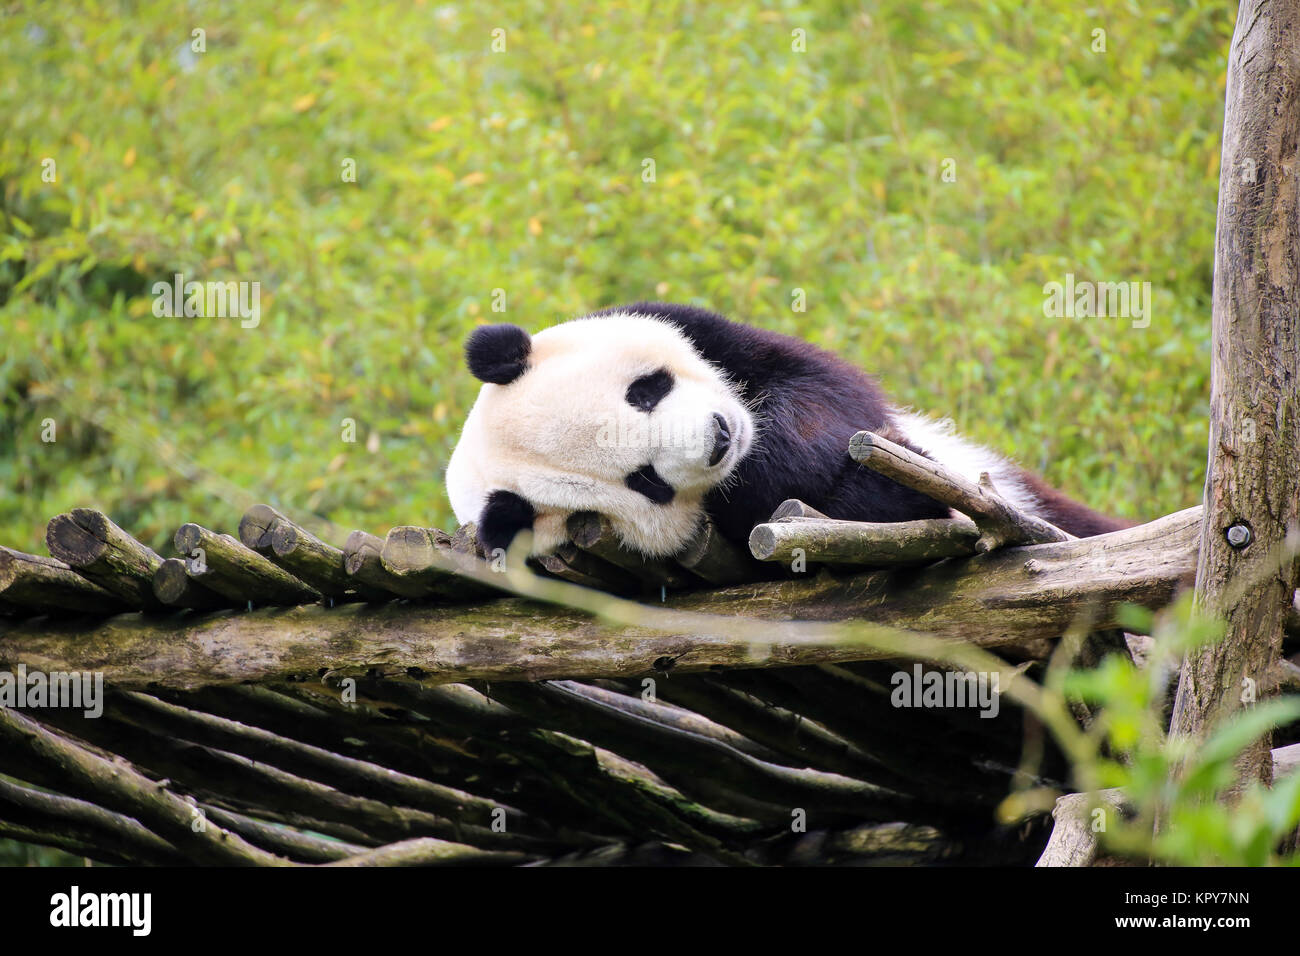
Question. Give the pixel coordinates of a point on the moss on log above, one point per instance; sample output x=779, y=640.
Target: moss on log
x=1003, y=598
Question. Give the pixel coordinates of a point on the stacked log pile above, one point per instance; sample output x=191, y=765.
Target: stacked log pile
x=274, y=699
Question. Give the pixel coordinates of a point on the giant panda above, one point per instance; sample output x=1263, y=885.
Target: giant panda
x=656, y=414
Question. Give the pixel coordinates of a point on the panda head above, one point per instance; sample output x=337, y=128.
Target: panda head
x=616, y=414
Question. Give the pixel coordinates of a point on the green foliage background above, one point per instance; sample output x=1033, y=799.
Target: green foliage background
x=521, y=170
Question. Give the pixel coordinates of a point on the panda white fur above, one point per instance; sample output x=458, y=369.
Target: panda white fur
x=655, y=414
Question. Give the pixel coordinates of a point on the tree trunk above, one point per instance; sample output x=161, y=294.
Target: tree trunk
x=1246, y=571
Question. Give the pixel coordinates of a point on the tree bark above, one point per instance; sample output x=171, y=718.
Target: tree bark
x=1246, y=572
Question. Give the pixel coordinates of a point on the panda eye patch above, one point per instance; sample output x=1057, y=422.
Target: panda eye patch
x=648, y=390
x=646, y=481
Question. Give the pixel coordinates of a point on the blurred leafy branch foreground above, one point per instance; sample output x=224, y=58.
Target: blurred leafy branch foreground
x=522, y=170
x=1179, y=782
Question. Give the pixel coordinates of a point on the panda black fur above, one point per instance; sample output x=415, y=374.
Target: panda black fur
x=785, y=411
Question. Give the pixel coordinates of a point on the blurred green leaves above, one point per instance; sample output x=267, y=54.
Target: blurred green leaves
x=521, y=171
x=1178, y=781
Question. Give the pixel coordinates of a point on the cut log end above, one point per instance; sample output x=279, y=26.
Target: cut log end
x=284, y=539
x=762, y=542
x=257, y=525
x=69, y=541
x=794, y=508
x=187, y=538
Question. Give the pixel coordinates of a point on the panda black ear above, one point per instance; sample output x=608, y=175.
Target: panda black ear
x=503, y=517
x=498, y=353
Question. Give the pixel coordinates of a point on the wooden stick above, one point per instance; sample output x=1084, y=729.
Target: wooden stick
x=1075, y=842
x=318, y=564
x=570, y=563
x=419, y=557
x=173, y=586
x=1000, y=523
x=281, y=840
x=464, y=540
x=34, y=583
x=236, y=781
x=613, y=789
x=684, y=758
x=427, y=851
x=119, y=787
x=256, y=527
x=802, y=742
x=302, y=554
x=346, y=773
x=313, y=714
x=859, y=542
x=593, y=532
x=714, y=558
x=219, y=562
x=794, y=508
x=99, y=550
x=101, y=829
x=362, y=560
x=659, y=710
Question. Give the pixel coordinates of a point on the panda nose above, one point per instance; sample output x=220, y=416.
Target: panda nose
x=721, y=439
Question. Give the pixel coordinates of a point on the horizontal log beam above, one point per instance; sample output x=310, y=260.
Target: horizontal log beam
x=862, y=542
x=1008, y=597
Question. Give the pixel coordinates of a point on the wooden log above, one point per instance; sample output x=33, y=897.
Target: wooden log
x=97, y=549
x=232, y=780
x=318, y=564
x=1286, y=761
x=1000, y=522
x=684, y=758
x=902, y=755
x=1247, y=573
x=1004, y=598
x=362, y=560
x=219, y=562
x=281, y=840
x=593, y=532
x=878, y=844
x=801, y=742
x=104, y=832
x=302, y=554
x=428, y=851
x=657, y=708
x=173, y=586
x=119, y=787
x=359, y=777
x=570, y=563
x=1074, y=841
x=32, y=583
x=614, y=790
x=464, y=540
x=715, y=559
x=794, y=508
x=423, y=557
x=257, y=526
x=827, y=541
